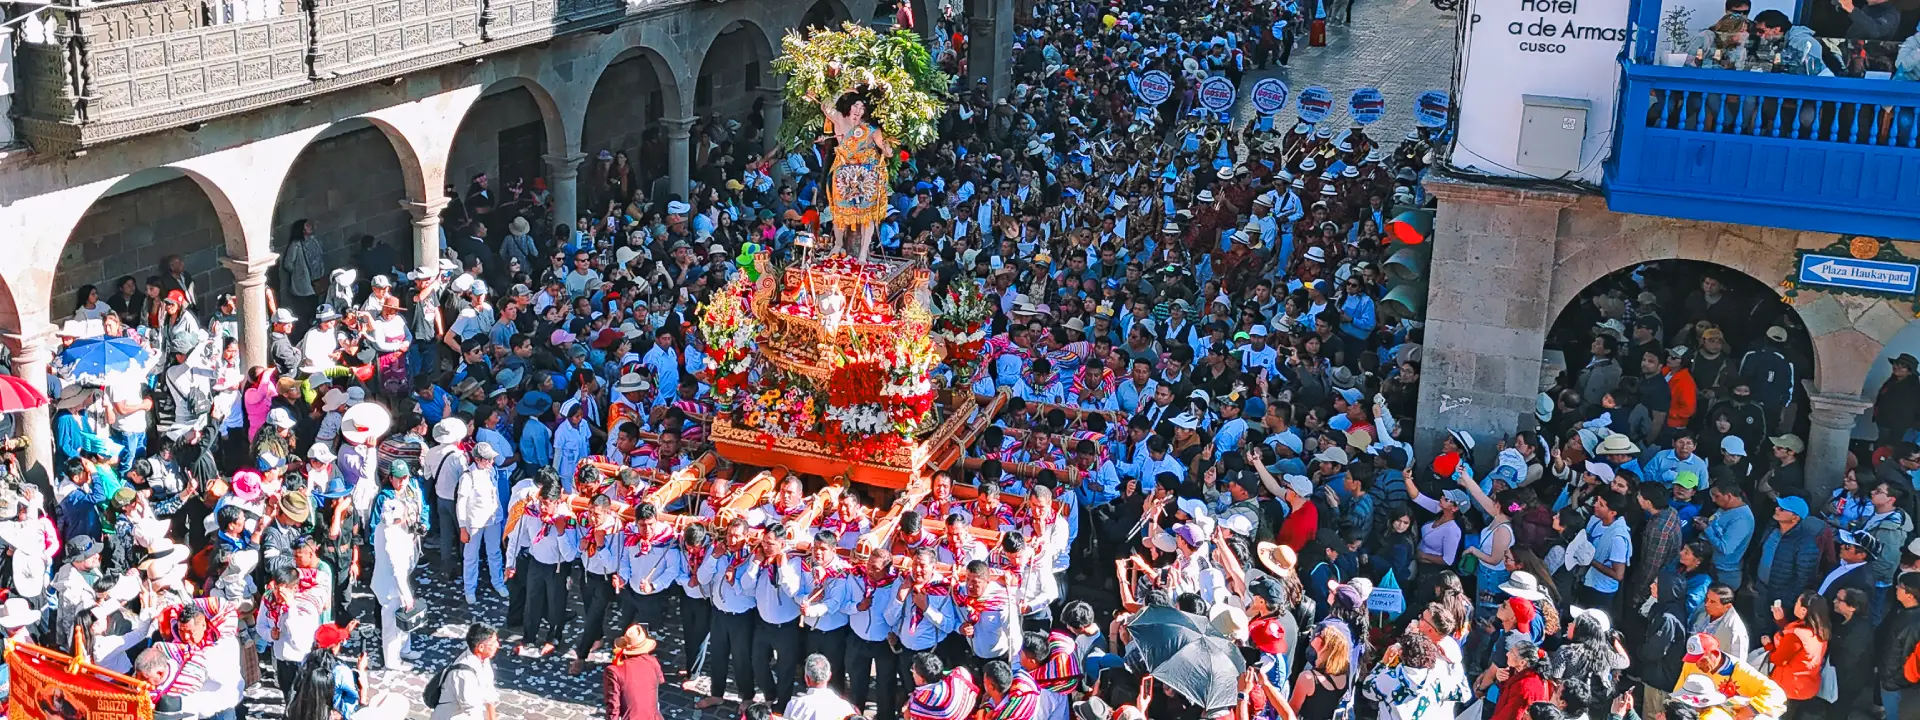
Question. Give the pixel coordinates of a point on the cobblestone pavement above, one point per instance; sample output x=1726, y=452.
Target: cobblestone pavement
x=1403, y=47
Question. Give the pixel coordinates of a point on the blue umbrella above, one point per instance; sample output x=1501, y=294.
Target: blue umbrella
x=93, y=359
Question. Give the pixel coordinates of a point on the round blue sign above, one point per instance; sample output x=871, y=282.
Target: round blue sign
x=1315, y=103
x=1155, y=87
x=1269, y=96
x=1217, y=93
x=1430, y=109
x=1366, y=105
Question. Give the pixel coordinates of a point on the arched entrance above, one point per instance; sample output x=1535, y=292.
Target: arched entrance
x=623, y=116
x=136, y=227
x=732, y=74
x=825, y=13
x=503, y=141
x=350, y=183
x=1618, y=346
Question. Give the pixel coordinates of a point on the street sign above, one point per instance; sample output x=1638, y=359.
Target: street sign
x=1315, y=103
x=1854, y=274
x=1366, y=105
x=1155, y=87
x=1269, y=96
x=1217, y=93
x=1430, y=109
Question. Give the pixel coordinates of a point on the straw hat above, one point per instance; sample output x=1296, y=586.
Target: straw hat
x=1278, y=559
x=634, y=642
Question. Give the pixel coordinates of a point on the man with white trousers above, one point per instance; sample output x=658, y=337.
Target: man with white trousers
x=477, y=510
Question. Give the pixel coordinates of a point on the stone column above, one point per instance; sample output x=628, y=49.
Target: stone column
x=772, y=114
x=563, y=178
x=1489, y=282
x=1833, y=416
x=426, y=230
x=679, y=154
x=990, y=45
x=250, y=283
x=32, y=351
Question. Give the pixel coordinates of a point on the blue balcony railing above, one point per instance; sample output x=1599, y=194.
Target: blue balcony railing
x=1825, y=154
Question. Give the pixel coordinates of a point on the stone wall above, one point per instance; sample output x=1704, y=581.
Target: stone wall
x=129, y=233
x=349, y=185
x=476, y=145
x=735, y=67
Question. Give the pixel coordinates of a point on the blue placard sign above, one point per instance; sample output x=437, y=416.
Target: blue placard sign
x=1430, y=109
x=1315, y=103
x=1269, y=96
x=1155, y=87
x=1217, y=93
x=1366, y=105
x=1856, y=274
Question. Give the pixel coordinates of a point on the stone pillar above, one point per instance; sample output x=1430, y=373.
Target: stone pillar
x=426, y=230
x=990, y=45
x=32, y=351
x=250, y=283
x=1832, y=417
x=772, y=114
x=679, y=154
x=1489, y=283
x=563, y=178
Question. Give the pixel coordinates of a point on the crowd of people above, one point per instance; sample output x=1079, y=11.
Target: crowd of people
x=1210, y=416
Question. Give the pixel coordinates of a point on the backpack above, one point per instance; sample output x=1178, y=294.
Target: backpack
x=434, y=685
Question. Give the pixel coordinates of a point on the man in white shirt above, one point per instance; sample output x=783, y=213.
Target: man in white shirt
x=477, y=510
x=819, y=702
x=320, y=347
x=781, y=586
x=443, y=464
x=871, y=664
x=468, y=692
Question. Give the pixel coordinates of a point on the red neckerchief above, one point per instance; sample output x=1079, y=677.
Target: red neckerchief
x=647, y=543
x=869, y=586
x=548, y=519
x=1003, y=514
x=786, y=511
x=937, y=508
x=976, y=606
x=834, y=568
x=839, y=524
x=696, y=555
x=1037, y=526
x=736, y=558
x=924, y=539
x=999, y=559
x=597, y=537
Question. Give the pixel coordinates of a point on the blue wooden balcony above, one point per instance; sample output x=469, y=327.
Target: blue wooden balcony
x=1824, y=154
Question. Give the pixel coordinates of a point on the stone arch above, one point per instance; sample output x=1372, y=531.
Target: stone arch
x=632, y=93
x=826, y=13
x=351, y=180
x=730, y=31
x=508, y=146
x=669, y=62
x=1847, y=333
x=135, y=221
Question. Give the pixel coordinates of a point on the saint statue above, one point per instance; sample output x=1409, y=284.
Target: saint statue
x=858, y=188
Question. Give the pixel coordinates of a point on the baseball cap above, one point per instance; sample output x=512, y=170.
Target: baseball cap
x=1699, y=645
x=1687, y=479
x=1794, y=504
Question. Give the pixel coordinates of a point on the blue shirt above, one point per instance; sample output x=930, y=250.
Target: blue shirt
x=1665, y=465
x=1729, y=531
x=434, y=410
x=1612, y=545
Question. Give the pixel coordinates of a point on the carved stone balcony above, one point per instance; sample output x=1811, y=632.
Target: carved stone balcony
x=99, y=72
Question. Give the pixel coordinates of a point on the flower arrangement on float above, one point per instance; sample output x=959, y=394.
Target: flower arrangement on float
x=880, y=392
x=960, y=323
x=727, y=329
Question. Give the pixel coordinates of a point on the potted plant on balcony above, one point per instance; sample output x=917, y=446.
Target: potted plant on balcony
x=1674, y=26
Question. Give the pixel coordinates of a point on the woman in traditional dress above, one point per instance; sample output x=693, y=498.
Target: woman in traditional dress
x=858, y=193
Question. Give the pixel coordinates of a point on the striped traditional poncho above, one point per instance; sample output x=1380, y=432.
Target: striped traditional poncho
x=949, y=698
x=1021, y=701
x=1061, y=672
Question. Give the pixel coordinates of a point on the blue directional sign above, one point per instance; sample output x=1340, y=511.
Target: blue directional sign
x=1855, y=274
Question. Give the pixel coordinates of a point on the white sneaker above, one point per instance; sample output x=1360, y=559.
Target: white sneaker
x=402, y=666
x=410, y=655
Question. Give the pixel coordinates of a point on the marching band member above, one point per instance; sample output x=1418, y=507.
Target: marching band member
x=729, y=576
x=872, y=664
x=781, y=586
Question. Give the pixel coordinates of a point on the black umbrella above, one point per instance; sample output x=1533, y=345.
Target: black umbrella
x=1182, y=651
